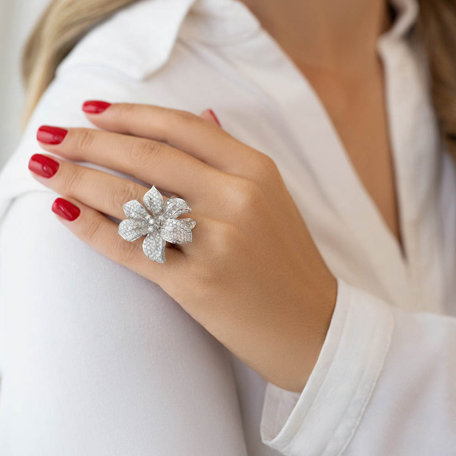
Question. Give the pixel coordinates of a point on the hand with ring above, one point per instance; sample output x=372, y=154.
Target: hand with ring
x=214, y=226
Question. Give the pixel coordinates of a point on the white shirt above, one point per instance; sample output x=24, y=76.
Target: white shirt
x=85, y=343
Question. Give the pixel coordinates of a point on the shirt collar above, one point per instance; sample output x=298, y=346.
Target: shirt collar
x=406, y=17
x=220, y=22
x=138, y=40
x=225, y=21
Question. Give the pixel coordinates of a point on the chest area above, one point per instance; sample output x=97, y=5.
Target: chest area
x=338, y=187
x=356, y=106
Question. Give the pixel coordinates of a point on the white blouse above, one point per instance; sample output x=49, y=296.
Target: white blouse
x=95, y=360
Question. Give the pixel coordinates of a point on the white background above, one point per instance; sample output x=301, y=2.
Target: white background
x=17, y=18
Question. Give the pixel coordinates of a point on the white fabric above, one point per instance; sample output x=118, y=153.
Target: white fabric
x=98, y=361
x=16, y=20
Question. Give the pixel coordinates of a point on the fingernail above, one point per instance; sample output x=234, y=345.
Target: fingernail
x=42, y=165
x=95, y=106
x=65, y=209
x=50, y=135
x=215, y=117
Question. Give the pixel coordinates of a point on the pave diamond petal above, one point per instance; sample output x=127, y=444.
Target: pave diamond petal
x=132, y=229
x=176, y=231
x=175, y=207
x=134, y=209
x=154, y=247
x=159, y=226
x=153, y=200
x=189, y=222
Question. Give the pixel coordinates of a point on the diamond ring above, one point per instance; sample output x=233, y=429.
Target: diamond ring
x=159, y=226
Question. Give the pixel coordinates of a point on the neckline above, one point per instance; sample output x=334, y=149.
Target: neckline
x=225, y=22
x=332, y=163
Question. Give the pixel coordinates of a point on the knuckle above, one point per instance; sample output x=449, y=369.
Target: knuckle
x=125, y=113
x=186, y=116
x=143, y=152
x=247, y=195
x=122, y=194
x=91, y=229
x=177, y=119
x=85, y=139
x=72, y=181
x=265, y=167
x=126, y=109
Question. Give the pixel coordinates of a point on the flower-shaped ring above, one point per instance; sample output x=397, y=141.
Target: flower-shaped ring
x=160, y=226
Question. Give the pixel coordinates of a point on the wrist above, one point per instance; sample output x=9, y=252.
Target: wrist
x=311, y=339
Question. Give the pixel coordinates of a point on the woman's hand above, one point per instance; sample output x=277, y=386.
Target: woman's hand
x=252, y=275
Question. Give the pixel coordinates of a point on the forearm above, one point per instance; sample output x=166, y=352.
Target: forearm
x=380, y=367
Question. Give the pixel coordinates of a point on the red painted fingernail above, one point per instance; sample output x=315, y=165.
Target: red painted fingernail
x=50, y=135
x=42, y=165
x=95, y=106
x=65, y=209
x=215, y=117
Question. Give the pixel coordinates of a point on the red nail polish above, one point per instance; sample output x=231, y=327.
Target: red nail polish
x=215, y=117
x=95, y=106
x=50, y=135
x=65, y=209
x=42, y=165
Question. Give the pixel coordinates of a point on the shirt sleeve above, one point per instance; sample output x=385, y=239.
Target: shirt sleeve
x=384, y=383
x=95, y=359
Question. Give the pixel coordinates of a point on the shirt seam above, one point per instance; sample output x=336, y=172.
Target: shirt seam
x=387, y=343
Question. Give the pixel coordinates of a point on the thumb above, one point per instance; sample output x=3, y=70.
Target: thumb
x=209, y=115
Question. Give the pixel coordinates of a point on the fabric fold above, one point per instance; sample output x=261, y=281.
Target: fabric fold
x=138, y=50
x=324, y=417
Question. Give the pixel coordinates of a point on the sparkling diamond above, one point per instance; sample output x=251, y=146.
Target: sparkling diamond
x=160, y=227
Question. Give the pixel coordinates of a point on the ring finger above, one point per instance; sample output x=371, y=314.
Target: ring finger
x=101, y=191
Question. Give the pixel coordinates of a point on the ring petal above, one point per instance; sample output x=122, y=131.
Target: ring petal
x=189, y=222
x=175, y=207
x=135, y=210
x=132, y=229
x=177, y=231
x=153, y=200
x=154, y=247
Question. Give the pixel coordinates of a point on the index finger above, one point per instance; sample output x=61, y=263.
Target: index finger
x=181, y=129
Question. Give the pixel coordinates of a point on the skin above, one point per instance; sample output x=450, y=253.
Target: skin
x=334, y=45
x=252, y=275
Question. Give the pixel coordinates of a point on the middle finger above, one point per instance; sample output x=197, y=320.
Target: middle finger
x=150, y=161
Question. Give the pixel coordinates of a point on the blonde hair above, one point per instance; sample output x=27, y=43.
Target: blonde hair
x=65, y=22
x=60, y=27
x=437, y=28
